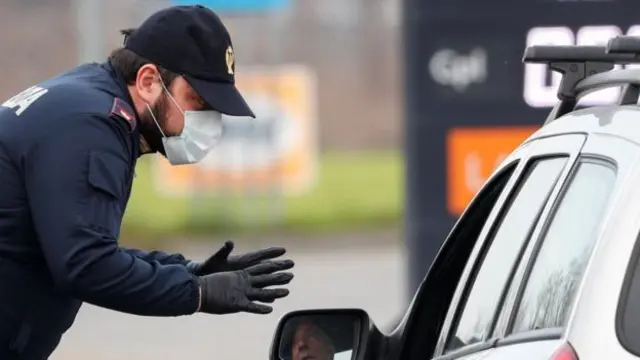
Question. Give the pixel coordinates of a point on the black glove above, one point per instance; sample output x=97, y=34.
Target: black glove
x=221, y=261
x=235, y=291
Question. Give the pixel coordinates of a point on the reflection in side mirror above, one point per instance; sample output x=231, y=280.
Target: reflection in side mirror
x=321, y=335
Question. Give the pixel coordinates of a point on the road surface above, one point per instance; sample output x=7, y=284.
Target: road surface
x=329, y=275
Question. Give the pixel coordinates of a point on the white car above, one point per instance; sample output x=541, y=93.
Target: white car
x=544, y=262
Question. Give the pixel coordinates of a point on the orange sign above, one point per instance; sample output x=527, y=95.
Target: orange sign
x=275, y=150
x=472, y=155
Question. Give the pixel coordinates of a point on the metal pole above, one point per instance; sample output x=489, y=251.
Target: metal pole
x=90, y=32
x=278, y=27
x=423, y=237
x=247, y=197
x=426, y=223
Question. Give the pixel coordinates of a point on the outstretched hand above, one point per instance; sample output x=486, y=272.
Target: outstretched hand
x=241, y=290
x=222, y=260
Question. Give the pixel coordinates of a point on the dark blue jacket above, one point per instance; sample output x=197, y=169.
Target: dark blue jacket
x=68, y=148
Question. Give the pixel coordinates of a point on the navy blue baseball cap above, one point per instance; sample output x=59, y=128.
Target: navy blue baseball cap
x=193, y=42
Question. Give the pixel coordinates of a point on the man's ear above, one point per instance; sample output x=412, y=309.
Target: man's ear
x=147, y=84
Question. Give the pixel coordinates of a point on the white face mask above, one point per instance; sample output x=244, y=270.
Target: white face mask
x=202, y=132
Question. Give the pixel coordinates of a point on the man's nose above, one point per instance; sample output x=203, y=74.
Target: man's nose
x=301, y=345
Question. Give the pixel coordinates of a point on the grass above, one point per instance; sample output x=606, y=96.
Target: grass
x=354, y=190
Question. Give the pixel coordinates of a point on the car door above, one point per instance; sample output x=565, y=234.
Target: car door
x=432, y=313
x=467, y=331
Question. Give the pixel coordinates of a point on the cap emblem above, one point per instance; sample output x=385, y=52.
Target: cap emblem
x=230, y=60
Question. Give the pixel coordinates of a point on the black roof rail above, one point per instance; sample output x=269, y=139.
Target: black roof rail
x=624, y=44
x=580, y=53
x=577, y=63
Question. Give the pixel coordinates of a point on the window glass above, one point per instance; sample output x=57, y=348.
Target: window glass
x=442, y=280
x=504, y=251
x=565, y=250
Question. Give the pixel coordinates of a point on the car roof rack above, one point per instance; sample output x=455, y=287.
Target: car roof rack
x=624, y=44
x=586, y=69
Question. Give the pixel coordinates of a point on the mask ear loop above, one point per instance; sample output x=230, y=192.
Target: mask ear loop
x=155, y=120
x=171, y=96
x=153, y=116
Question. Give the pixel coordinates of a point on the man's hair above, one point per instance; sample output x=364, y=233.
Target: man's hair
x=127, y=63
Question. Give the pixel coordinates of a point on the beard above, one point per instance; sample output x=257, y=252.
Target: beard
x=148, y=127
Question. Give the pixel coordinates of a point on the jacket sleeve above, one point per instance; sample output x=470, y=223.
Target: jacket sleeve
x=159, y=256
x=76, y=180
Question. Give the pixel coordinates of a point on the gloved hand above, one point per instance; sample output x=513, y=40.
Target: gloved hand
x=222, y=261
x=235, y=291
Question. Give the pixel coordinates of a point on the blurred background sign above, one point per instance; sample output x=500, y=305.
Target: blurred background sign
x=472, y=155
x=229, y=6
x=276, y=150
x=470, y=101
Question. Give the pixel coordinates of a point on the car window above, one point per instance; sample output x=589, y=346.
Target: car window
x=565, y=250
x=504, y=251
x=437, y=291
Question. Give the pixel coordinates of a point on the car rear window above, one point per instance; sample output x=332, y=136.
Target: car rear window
x=565, y=249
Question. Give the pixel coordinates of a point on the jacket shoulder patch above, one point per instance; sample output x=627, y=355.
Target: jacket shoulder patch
x=121, y=109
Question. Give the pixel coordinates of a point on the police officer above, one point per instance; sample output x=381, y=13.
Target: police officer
x=68, y=148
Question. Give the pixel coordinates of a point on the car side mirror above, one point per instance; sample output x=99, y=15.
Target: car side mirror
x=329, y=334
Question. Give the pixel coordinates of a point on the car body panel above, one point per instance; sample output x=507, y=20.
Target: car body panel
x=592, y=329
x=619, y=121
x=481, y=355
x=537, y=350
